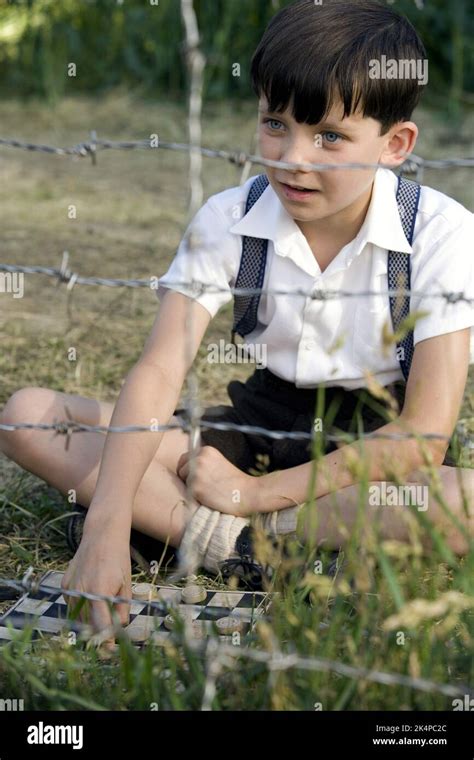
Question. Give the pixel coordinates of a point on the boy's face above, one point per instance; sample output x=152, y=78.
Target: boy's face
x=338, y=194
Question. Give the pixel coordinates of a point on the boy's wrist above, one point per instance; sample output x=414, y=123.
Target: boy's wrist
x=269, y=496
x=108, y=516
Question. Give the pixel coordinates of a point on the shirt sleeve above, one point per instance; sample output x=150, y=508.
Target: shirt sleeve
x=204, y=264
x=447, y=268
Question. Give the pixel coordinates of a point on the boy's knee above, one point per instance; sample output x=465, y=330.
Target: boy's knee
x=458, y=494
x=24, y=405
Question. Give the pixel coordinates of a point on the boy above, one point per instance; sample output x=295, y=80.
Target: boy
x=317, y=104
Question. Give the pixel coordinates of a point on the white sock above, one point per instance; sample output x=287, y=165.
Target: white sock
x=209, y=538
x=280, y=522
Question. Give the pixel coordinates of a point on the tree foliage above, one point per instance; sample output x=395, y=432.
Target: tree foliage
x=139, y=45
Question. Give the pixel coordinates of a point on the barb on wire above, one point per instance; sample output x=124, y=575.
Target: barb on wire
x=65, y=428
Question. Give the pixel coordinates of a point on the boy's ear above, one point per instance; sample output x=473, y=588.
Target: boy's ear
x=399, y=142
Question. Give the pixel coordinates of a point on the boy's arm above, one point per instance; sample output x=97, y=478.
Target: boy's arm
x=151, y=391
x=432, y=402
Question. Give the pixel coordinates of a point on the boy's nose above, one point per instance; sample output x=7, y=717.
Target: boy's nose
x=300, y=152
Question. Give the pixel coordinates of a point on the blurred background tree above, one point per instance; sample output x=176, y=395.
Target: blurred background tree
x=138, y=45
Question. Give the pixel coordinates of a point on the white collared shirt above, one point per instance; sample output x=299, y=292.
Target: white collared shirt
x=331, y=342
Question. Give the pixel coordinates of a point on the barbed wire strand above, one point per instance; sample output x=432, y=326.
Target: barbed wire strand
x=199, y=287
x=412, y=165
x=70, y=426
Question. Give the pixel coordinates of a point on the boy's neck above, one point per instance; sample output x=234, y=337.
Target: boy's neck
x=338, y=230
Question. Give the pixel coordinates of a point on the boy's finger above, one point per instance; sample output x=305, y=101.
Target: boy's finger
x=103, y=641
x=100, y=616
x=122, y=609
x=123, y=613
x=182, y=468
x=75, y=609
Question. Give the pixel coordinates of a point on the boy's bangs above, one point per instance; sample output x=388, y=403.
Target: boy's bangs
x=310, y=93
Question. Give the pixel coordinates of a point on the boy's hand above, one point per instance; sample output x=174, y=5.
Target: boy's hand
x=101, y=565
x=218, y=484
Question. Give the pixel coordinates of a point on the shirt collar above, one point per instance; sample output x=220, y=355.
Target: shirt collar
x=382, y=226
x=382, y=223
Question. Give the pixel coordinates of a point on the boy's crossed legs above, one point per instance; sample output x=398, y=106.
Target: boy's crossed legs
x=159, y=509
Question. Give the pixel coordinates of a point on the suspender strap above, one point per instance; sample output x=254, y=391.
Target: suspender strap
x=399, y=269
x=251, y=270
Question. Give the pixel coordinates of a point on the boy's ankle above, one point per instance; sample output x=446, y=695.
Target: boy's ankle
x=209, y=539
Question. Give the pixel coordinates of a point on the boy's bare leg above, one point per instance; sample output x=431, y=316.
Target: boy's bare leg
x=158, y=510
x=335, y=518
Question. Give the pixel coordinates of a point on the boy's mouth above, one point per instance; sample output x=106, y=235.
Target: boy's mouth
x=297, y=193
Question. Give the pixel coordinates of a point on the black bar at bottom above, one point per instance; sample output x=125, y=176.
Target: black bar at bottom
x=124, y=734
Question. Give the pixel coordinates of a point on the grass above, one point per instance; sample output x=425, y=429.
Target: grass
x=131, y=211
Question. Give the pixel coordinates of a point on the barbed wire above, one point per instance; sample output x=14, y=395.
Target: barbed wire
x=275, y=660
x=27, y=585
x=413, y=163
x=67, y=427
x=199, y=287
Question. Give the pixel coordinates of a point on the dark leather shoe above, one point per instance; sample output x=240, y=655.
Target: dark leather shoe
x=143, y=549
x=252, y=574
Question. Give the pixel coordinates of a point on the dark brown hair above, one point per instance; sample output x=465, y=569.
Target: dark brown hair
x=310, y=54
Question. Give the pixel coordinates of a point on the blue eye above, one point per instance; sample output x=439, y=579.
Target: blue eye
x=274, y=121
x=332, y=134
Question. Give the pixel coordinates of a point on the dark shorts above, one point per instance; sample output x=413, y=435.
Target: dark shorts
x=267, y=401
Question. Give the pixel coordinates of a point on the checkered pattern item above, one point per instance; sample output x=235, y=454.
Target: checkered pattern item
x=254, y=256
x=48, y=612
